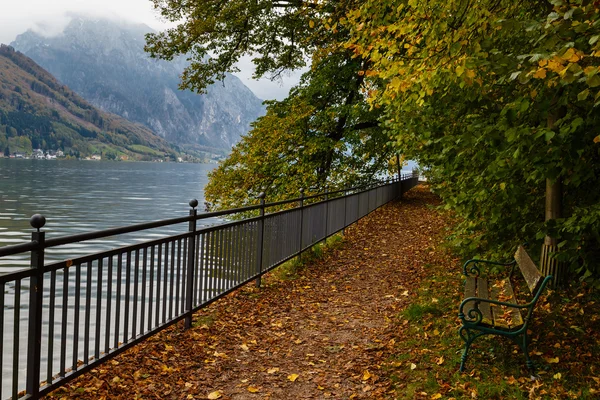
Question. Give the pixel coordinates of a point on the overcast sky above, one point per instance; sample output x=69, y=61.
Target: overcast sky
x=49, y=17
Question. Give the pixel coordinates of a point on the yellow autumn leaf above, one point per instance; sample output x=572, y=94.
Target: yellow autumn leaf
x=272, y=370
x=470, y=74
x=568, y=54
x=436, y=396
x=244, y=347
x=540, y=73
x=167, y=369
x=440, y=360
x=597, y=139
x=252, y=389
x=551, y=360
x=366, y=375
x=292, y=377
x=413, y=366
x=555, y=64
x=217, y=394
x=557, y=376
x=311, y=23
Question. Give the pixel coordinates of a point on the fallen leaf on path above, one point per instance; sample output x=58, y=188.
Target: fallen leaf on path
x=215, y=395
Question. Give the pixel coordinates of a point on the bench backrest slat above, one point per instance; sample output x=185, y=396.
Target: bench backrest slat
x=530, y=272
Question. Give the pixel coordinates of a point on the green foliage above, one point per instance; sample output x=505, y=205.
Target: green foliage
x=322, y=135
x=494, y=99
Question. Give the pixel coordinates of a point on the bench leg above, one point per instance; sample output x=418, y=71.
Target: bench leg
x=522, y=341
x=468, y=336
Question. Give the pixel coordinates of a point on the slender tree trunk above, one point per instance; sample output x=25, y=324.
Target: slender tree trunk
x=554, y=192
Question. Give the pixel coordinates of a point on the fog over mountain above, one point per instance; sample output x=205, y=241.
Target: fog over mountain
x=104, y=62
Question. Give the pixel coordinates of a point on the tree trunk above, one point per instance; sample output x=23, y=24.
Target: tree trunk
x=548, y=264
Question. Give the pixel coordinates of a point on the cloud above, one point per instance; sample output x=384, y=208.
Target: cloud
x=49, y=18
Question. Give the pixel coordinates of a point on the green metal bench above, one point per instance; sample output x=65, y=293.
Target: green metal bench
x=490, y=307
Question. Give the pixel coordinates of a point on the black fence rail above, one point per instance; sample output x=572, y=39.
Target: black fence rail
x=63, y=318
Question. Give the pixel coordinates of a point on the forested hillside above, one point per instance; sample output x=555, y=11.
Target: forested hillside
x=38, y=112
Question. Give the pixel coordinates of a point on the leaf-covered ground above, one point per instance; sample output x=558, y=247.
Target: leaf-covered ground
x=373, y=317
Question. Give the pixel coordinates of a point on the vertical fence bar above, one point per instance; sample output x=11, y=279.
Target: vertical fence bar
x=2, y=293
x=16, y=341
x=109, y=281
x=189, y=291
x=63, y=327
x=36, y=295
x=261, y=231
x=51, y=324
x=98, y=309
x=118, y=299
x=88, y=310
x=151, y=288
x=326, y=214
x=301, y=222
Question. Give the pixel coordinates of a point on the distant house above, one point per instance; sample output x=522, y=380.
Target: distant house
x=38, y=154
x=60, y=153
x=96, y=157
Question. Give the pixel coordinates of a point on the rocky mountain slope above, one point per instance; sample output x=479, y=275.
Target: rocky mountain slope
x=105, y=63
x=37, y=111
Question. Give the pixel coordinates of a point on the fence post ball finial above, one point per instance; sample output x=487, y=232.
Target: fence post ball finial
x=261, y=195
x=37, y=221
x=193, y=203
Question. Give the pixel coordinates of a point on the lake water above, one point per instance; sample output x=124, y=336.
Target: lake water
x=83, y=196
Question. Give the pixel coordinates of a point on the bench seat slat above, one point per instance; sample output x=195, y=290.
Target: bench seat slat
x=482, y=292
x=470, y=291
x=517, y=319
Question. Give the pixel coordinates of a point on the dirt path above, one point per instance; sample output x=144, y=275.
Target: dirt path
x=324, y=334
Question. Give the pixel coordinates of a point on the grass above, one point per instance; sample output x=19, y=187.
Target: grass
x=204, y=320
x=289, y=269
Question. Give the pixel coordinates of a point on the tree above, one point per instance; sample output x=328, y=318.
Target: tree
x=323, y=134
x=499, y=99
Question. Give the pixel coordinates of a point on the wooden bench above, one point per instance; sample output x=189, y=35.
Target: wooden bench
x=490, y=307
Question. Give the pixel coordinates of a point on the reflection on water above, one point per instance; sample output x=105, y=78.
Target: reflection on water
x=83, y=196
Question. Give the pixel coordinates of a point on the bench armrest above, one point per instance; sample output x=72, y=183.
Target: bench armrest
x=476, y=315
x=472, y=266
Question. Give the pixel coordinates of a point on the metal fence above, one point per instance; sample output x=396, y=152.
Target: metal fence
x=61, y=319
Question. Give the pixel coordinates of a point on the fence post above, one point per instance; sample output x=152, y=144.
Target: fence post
x=36, y=294
x=261, y=231
x=189, y=295
x=301, y=222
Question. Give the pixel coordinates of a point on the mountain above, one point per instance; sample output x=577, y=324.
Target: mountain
x=104, y=62
x=37, y=111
